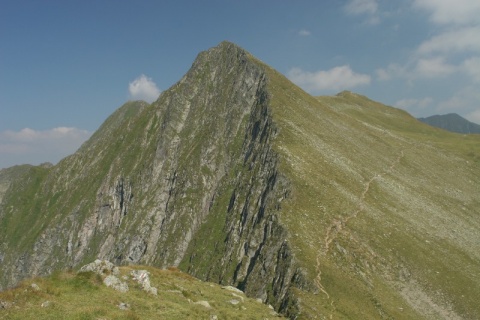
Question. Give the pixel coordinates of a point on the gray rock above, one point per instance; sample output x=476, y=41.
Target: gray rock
x=233, y=289
x=143, y=278
x=101, y=267
x=45, y=304
x=5, y=304
x=115, y=283
x=238, y=296
x=35, y=287
x=124, y=306
x=203, y=303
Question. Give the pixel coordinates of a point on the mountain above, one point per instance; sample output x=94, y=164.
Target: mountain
x=452, y=122
x=323, y=207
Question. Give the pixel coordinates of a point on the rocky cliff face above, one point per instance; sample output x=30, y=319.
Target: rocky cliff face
x=190, y=180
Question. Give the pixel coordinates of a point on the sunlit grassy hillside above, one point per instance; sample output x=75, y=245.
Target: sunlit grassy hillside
x=68, y=295
x=385, y=211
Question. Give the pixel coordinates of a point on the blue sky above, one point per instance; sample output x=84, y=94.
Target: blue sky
x=66, y=65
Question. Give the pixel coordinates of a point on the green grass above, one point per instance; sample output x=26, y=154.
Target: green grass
x=424, y=183
x=83, y=296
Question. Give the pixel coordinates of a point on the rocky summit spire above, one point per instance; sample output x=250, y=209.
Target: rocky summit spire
x=189, y=181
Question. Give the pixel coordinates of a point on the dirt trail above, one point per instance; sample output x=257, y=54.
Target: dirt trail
x=339, y=224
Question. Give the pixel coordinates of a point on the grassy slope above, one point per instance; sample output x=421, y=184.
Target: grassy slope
x=8, y=175
x=385, y=210
x=83, y=296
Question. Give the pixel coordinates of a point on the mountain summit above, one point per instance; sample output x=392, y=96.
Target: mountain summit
x=324, y=207
x=452, y=122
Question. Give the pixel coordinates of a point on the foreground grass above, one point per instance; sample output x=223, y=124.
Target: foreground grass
x=68, y=295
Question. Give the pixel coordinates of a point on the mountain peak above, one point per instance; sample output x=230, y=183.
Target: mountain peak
x=323, y=207
x=452, y=122
x=224, y=53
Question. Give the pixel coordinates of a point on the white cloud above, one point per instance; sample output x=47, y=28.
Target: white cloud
x=474, y=116
x=433, y=68
x=465, y=99
x=423, y=68
x=338, y=78
x=364, y=7
x=304, y=33
x=459, y=12
x=393, y=70
x=357, y=7
x=143, y=88
x=409, y=104
x=451, y=49
x=36, y=146
x=454, y=48
x=458, y=40
x=471, y=66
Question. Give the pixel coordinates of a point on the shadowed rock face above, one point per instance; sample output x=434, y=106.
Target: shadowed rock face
x=190, y=180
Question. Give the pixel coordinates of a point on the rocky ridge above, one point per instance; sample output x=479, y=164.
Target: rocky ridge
x=191, y=180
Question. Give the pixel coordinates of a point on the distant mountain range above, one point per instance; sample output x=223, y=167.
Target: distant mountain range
x=452, y=122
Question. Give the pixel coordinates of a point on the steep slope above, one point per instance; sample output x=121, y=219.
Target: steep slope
x=326, y=207
x=189, y=180
x=8, y=175
x=452, y=122
x=387, y=207
x=112, y=125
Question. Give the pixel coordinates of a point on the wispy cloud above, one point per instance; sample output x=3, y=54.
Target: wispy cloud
x=337, y=78
x=304, y=33
x=474, y=116
x=356, y=7
x=419, y=68
x=457, y=39
x=453, y=48
x=466, y=99
x=458, y=12
x=414, y=103
x=463, y=39
x=471, y=66
x=368, y=8
x=36, y=146
x=393, y=70
x=433, y=68
x=143, y=88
